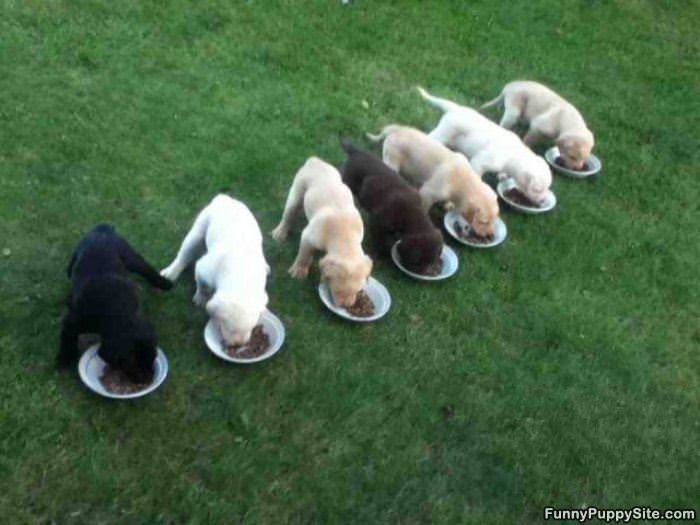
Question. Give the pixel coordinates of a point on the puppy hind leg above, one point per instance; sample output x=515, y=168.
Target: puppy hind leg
x=191, y=247
x=391, y=158
x=443, y=133
x=510, y=117
x=68, y=351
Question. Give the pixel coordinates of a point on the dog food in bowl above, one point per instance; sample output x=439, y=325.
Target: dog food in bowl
x=257, y=346
x=519, y=197
x=117, y=382
x=470, y=235
x=560, y=162
x=363, y=307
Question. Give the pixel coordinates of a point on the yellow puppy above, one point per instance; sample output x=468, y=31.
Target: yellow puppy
x=334, y=226
x=549, y=116
x=441, y=174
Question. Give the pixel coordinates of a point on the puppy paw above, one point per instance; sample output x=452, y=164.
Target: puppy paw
x=171, y=273
x=299, y=272
x=280, y=233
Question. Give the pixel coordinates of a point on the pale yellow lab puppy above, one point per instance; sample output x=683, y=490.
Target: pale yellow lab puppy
x=334, y=227
x=441, y=175
x=550, y=117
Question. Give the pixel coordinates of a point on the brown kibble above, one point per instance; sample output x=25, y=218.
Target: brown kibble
x=257, y=346
x=559, y=161
x=363, y=307
x=117, y=382
x=470, y=235
x=519, y=197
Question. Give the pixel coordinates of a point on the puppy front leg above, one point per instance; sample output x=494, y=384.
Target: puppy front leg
x=432, y=192
x=531, y=138
x=68, y=347
x=202, y=272
x=295, y=199
x=191, y=247
x=305, y=256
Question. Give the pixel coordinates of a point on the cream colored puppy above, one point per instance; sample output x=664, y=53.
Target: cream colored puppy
x=334, y=226
x=441, y=175
x=491, y=148
x=549, y=116
x=232, y=272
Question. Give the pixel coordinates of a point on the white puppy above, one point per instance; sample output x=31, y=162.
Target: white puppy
x=232, y=274
x=491, y=148
x=550, y=118
x=335, y=227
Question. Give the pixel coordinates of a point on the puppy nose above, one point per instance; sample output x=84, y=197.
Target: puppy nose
x=344, y=301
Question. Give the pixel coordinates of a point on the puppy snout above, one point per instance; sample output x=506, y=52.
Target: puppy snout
x=344, y=301
x=238, y=339
x=485, y=229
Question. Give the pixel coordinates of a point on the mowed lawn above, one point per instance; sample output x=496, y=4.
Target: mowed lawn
x=561, y=369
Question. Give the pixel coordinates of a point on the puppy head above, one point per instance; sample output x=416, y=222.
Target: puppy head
x=535, y=180
x=234, y=320
x=132, y=350
x=345, y=278
x=419, y=251
x=575, y=149
x=481, y=213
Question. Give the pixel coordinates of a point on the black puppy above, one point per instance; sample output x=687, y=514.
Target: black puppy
x=103, y=300
x=395, y=208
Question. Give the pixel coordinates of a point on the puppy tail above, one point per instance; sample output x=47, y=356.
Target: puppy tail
x=442, y=104
x=388, y=130
x=494, y=102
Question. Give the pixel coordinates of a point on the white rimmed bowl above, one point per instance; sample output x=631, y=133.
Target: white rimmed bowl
x=91, y=367
x=272, y=326
x=505, y=185
x=453, y=216
x=593, y=165
x=450, y=264
x=377, y=293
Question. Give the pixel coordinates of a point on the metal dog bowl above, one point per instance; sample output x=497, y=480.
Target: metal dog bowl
x=272, y=326
x=505, y=185
x=377, y=293
x=453, y=216
x=593, y=165
x=91, y=368
x=450, y=264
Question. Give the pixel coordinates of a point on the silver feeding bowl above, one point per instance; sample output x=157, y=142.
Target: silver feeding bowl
x=272, y=326
x=377, y=293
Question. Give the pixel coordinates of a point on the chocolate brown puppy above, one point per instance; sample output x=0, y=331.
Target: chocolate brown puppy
x=395, y=209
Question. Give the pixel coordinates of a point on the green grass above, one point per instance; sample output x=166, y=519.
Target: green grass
x=561, y=369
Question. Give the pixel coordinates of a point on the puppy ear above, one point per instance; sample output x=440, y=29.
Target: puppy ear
x=368, y=266
x=471, y=213
x=328, y=267
x=564, y=142
x=212, y=307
